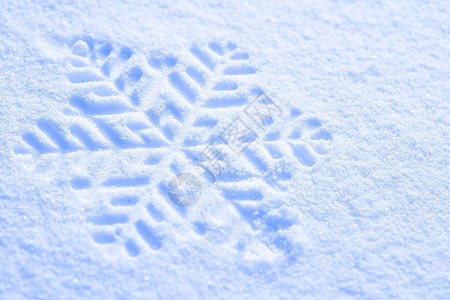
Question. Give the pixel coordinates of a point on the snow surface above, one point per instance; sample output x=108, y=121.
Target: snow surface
x=343, y=194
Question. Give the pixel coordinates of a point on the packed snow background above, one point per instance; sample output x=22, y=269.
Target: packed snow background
x=344, y=195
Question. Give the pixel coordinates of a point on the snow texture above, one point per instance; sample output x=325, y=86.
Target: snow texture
x=122, y=177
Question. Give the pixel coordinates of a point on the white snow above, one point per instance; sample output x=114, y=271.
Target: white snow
x=342, y=192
